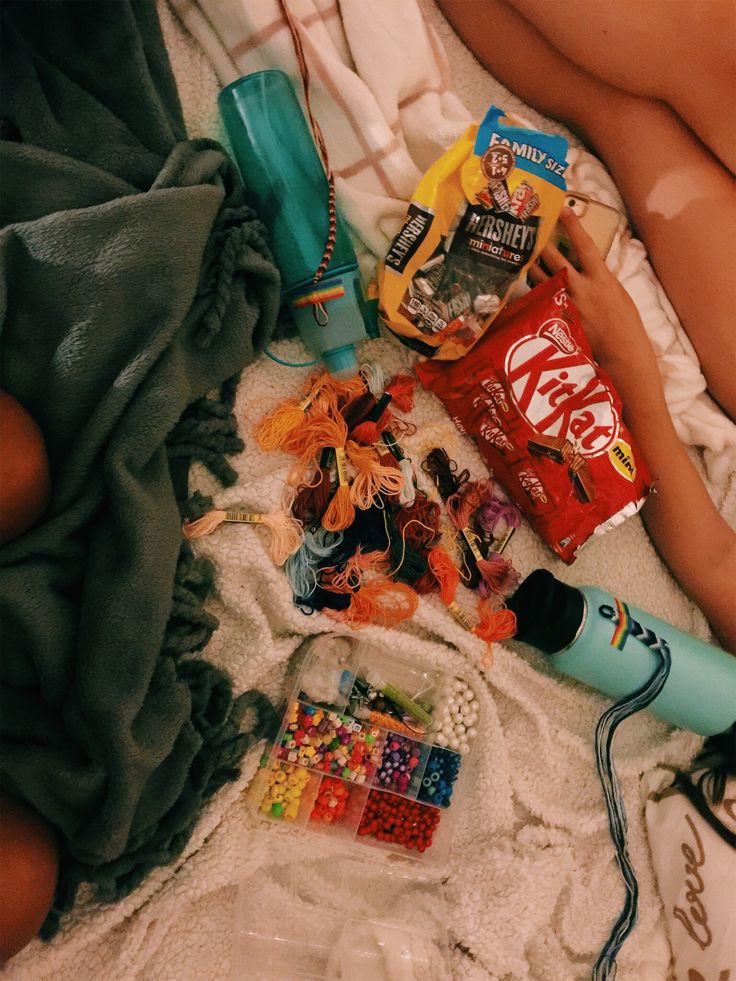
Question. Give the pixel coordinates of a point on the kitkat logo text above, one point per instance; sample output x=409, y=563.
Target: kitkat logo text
x=558, y=391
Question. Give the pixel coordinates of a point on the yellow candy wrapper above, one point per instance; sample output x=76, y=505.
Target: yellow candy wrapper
x=480, y=216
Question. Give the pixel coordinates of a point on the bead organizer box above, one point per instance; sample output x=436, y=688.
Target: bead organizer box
x=372, y=748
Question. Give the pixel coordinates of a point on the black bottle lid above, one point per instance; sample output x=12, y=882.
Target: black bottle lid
x=548, y=612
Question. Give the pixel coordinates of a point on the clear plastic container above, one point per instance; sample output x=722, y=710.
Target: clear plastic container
x=341, y=919
x=373, y=750
x=360, y=899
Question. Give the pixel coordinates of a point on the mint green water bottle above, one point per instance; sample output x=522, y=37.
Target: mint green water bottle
x=611, y=646
x=286, y=183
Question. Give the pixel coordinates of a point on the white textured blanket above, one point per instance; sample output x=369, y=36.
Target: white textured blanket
x=533, y=886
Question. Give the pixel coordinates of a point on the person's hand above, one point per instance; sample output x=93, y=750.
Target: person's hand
x=611, y=320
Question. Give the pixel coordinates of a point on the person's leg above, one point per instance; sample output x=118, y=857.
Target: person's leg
x=679, y=51
x=680, y=199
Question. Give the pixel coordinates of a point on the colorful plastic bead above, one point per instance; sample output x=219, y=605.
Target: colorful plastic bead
x=455, y=720
x=401, y=757
x=329, y=742
x=398, y=820
x=332, y=799
x=285, y=785
x=443, y=767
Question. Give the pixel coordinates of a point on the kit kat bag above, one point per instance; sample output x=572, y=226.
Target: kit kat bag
x=547, y=419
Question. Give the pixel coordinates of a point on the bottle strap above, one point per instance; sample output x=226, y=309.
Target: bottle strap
x=320, y=143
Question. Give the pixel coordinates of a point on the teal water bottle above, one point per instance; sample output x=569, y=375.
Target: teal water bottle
x=286, y=183
x=611, y=646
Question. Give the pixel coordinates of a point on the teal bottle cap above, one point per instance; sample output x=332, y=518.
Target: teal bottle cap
x=342, y=363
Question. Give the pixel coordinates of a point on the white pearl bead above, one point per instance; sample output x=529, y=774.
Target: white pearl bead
x=440, y=739
x=468, y=695
x=471, y=733
x=451, y=703
x=464, y=747
x=453, y=743
x=460, y=729
x=465, y=709
x=448, y=729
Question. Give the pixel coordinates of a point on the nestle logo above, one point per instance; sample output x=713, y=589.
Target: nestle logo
x=556, y=331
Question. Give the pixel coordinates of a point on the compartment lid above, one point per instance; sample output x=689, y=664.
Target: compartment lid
x=328, y=915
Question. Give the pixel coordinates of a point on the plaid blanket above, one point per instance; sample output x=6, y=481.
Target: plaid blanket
x=386, y=106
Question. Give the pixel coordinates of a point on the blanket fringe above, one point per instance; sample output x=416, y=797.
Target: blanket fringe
x=208, y=432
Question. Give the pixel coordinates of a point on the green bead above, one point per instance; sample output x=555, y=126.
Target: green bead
x=277, y=810
x=370, y=739
x=346, y=772
x=335, y=743
x=430, y=791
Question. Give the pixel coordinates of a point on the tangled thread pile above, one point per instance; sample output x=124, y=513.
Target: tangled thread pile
x=357, y=537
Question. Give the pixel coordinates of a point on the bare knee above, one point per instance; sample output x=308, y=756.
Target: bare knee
x=28, y=871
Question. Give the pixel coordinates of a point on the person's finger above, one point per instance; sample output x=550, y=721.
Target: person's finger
x=553, y=260
x=536, y=274
x=583, y=244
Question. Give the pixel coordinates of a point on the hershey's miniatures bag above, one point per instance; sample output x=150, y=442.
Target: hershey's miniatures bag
x=480, y=215
x=547, y=419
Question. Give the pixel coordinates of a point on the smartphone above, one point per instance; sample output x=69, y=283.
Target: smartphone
x=599, y=220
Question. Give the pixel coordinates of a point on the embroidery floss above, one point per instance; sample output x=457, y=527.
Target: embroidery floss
x=495, y=624
x=408, y=491
x=357, y=409
x=311, y=500
x=374, y=377
x=493, y=510
x=444, y=473
x=372, y=478
x=446, y=574
x=499, y=576
x=331, y=393
x=380, y=601
x=377, y=420
x=419, y=521
x=462, y=505
x=497, y=573
x=301, y=567
x=407, y=564
x=286, y=533
x=274, y=430
x=320, y=429
x=448, y=481
x=448, y=577
x=401, y=390
x=340, y=512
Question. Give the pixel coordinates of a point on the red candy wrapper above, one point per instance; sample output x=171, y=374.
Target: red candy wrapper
x=547, y=419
